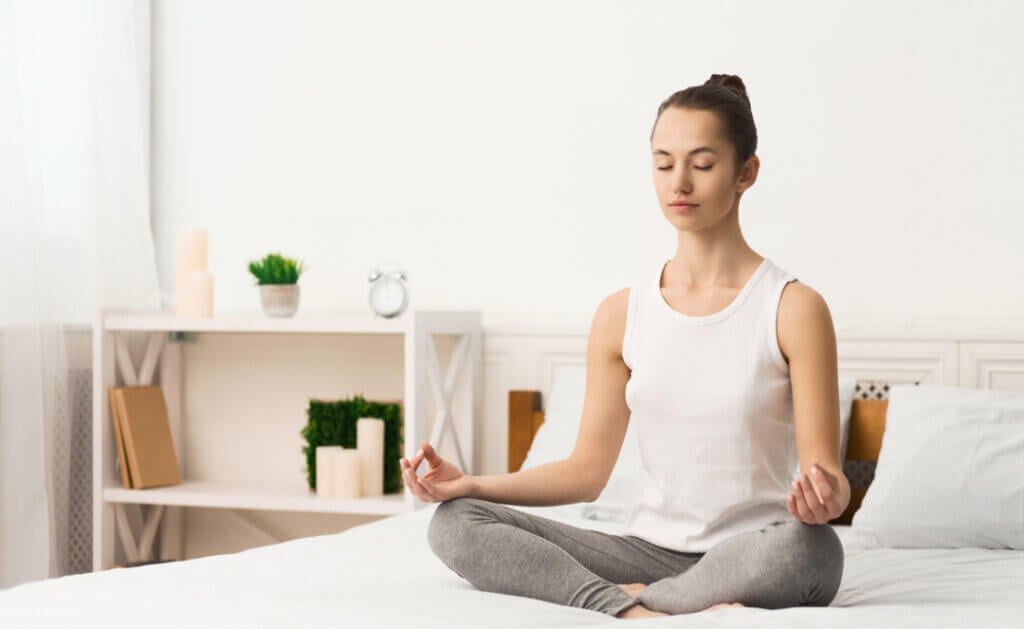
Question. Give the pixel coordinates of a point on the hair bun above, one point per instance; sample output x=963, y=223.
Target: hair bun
x=730, y=81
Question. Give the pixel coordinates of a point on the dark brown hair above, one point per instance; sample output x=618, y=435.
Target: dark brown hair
x=726, y=97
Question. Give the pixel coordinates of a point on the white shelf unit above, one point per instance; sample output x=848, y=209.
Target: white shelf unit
x=113, y=366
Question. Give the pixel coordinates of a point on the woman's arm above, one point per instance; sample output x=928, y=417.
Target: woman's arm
x=807, y=338
x=582, y=476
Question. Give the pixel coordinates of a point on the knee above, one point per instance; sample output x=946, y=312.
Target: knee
x=448, y=526
x=818, y=558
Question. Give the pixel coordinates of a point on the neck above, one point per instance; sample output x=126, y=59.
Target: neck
x=717, y=256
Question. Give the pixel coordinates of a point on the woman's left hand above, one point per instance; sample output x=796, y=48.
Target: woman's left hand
x=815, y=500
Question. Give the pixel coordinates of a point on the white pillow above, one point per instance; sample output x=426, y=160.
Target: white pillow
x=950, y=473
x=562, y=412
x=847, y=388
x=556, y=438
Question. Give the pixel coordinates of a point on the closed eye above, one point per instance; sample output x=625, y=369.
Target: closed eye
x=697, y=167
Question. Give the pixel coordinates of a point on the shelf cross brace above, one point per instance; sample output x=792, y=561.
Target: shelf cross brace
x=144, y=548
x=148, y=368
x=443, y=396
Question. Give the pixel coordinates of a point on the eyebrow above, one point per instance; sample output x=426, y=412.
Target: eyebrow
x=702, y=149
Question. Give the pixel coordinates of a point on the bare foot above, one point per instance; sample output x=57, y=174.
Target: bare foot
x=632, y=589
x=721, y=605
x=638, y=610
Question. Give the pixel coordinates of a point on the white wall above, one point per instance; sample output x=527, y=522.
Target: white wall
x=499, y=150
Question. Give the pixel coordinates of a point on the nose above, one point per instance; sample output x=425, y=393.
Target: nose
x=681, y=183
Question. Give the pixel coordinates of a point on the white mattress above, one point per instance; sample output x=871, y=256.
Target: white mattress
x=383, y=574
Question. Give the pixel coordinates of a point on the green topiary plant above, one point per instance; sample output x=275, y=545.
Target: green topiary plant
x=276, y=269
x=333, y=423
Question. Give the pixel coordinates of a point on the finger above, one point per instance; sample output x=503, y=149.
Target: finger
x=833, y=508
x=811, y=498
x=422, y=491
x=803, y=511
x=405, y=475
x=413, y=485
x=414, y=461
x=822, y=483
x=827, y=489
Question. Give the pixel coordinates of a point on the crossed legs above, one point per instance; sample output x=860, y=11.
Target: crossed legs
x=500, y=549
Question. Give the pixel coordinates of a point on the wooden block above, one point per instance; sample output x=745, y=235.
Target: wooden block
x=525, y=417
x=867, y=425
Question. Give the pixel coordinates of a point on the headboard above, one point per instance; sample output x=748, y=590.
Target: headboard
x=867, y=423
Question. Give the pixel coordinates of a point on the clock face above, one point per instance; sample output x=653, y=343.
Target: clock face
x=387, y=296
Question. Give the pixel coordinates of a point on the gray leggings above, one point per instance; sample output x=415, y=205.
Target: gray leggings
x=500, y=549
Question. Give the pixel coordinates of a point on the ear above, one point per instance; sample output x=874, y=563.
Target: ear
x=748, y=174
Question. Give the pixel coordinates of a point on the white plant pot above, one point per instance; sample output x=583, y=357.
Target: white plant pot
x=279, y=300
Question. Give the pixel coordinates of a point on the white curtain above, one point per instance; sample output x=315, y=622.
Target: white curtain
x=75, y=237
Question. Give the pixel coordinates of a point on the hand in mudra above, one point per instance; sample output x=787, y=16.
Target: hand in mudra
x=442, y=481
x=804, y=502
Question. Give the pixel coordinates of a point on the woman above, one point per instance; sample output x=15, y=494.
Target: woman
x=728, y=366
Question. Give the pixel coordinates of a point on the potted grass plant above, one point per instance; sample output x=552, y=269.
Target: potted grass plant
x=278, y=279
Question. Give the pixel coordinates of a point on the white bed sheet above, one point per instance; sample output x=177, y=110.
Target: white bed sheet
x=383, y=574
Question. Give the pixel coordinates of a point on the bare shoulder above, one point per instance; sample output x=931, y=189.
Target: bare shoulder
x=609, y=324
x=803, y=318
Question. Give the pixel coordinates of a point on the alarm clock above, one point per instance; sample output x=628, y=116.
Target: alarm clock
x=388, y=294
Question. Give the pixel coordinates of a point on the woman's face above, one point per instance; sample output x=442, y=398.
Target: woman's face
x=693, y=162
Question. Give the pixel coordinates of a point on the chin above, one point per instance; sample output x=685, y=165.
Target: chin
x=679, y=221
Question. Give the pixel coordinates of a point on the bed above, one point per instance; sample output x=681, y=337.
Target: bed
x=383, y=574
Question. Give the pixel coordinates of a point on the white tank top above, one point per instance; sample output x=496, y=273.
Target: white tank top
x=713, y=412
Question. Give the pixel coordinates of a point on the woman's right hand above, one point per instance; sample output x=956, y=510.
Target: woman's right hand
x=443, y=481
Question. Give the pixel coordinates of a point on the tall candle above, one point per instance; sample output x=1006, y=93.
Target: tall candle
x=347, y=473
x=370, y=443
x=325, y=469
x=200, y=294
x=190, y=256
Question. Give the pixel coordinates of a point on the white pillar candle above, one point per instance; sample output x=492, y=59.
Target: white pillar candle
x=325, y=469
x=347, y=473
x=200, y=294
x=370, y=443
x=190, y=256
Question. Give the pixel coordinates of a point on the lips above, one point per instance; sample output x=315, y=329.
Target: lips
x=682, y=204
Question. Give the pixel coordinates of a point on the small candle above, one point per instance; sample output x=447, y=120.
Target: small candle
x=200, y=294
x=190, y=256
x=370, y=443
x=325, y=469
x=347, y=473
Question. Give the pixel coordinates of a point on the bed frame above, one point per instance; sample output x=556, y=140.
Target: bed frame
x=867, y=423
